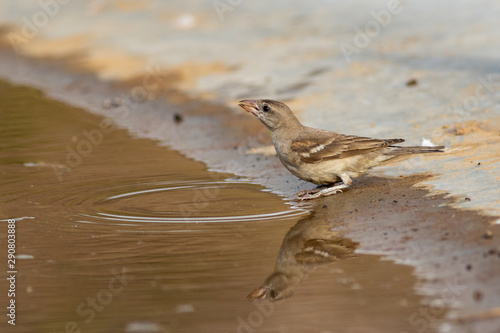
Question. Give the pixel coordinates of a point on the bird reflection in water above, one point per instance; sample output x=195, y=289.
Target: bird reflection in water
x=308, y=244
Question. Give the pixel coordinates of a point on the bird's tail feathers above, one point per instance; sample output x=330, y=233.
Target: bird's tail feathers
x=398, y=150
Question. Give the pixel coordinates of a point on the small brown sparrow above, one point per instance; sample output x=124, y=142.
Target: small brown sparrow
x=323, y=157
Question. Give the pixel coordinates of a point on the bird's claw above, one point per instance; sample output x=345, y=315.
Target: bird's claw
x=309, y=195
x=319, y=192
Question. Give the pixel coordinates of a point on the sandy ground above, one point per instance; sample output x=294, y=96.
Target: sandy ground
x=382, y=69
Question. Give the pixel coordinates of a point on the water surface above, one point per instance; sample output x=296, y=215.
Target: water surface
x=119, y=234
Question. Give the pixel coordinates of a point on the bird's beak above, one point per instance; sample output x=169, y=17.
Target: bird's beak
x=250, y=106
x=258, y=294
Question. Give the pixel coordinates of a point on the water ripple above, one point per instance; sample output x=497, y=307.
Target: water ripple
x=186, y=202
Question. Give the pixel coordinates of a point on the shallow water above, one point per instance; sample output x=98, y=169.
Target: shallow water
x=116, y=233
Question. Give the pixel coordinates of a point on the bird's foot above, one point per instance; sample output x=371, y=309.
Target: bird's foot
x=320, y=192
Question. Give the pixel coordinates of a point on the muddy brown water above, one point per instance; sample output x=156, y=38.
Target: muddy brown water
x=119, y=234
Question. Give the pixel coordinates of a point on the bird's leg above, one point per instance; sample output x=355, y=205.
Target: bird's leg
x=320, y=191
x=346, y=179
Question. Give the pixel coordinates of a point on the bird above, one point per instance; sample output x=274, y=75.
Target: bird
x=308, y=244
x=326, y=158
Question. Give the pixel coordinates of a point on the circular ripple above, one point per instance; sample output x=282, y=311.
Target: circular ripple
x=188, y=202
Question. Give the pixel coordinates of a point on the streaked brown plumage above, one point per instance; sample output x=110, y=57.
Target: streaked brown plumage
x=323, y=157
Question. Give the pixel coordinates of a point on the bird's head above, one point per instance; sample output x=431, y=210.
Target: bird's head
x=277, y=286
x=275, y=115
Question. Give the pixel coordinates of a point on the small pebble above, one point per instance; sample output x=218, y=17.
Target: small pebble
x=477, y=295
x=116, y=102
x=178, y=118
x=108, y=104
x=488, y=234
x=411, y=82
x=468, y=267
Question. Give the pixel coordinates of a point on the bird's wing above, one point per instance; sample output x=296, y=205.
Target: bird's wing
x=315, y=148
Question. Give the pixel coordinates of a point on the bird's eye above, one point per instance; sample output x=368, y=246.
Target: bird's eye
x=266, y=108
